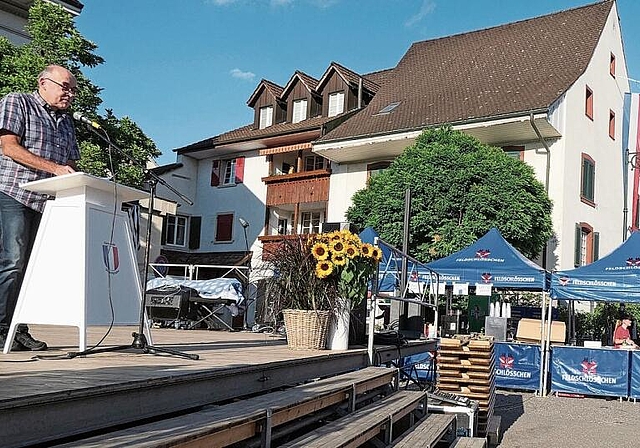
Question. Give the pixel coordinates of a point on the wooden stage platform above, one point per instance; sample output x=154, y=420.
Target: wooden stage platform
x=47, y=398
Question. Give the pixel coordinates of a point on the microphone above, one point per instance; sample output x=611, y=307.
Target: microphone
x=80, y=117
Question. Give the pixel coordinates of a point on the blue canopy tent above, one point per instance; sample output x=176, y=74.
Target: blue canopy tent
x=614, y=278
x=389, y=265
x=491, y=259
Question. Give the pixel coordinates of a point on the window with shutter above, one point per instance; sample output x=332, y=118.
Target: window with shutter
x=336, y=104
x=588, y=103
x=299, y=111
x=266, y=117
x=194, y=232
x=239, y=170
x=612, y=124
x=612, y=65
x=587, y=247
x=229, y=172
x=224, y=228
x=215, y=173
x=588, y=180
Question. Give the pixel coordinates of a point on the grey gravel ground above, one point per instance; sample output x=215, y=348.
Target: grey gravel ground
x=531, y=421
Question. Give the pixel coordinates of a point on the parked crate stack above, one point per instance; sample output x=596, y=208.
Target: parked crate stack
x=465, y=367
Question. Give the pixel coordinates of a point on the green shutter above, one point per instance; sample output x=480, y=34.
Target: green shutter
x=588, y=179
x=163, y=234
x=596, y=246
x=194, y=232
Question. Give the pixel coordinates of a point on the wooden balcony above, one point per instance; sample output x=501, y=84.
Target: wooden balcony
x=298, y=188
x=270, y=243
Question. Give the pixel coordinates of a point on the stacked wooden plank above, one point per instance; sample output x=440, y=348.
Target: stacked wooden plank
x=466, y=368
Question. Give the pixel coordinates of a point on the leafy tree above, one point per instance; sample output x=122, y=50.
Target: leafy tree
x=55, y=40
x=460, y=188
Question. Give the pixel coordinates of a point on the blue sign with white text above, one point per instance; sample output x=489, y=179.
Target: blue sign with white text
x=517, y=366
x=634, y=383
x=419, y=367
x=590, y=371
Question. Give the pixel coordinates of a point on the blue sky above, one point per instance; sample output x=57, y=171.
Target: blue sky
x=183, y=70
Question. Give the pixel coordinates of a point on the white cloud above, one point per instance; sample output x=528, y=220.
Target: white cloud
x=247, y=76
x=427, y=8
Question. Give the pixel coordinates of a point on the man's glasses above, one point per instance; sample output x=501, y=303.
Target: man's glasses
x=65, y=87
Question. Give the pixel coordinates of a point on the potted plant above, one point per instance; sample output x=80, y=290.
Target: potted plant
x=317, y=280
x=295, y=291
x=345, y=264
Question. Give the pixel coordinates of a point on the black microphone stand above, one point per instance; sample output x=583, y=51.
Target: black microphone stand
x=139, y=339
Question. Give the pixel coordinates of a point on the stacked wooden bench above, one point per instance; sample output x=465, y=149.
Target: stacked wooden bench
x=469, y=442
x=428, y=432
x=363, y=425
x=259, y=417
x=466, y=367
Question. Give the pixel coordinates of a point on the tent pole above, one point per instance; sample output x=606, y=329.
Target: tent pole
x=548, y=345
x=542, y=346
x=373, y=302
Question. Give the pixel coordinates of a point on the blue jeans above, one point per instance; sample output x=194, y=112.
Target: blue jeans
x=18, y=227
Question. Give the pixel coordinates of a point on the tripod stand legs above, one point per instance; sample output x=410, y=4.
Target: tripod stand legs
x=139, y=343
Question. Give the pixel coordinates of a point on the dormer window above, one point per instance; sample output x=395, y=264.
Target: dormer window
x=266, y=117
x=299, y=111
x=336, y=104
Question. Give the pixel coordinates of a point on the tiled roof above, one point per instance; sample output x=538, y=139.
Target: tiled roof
x=310, y=82
x=272, y=87
x=518, y=67
x=350, y=77
x=248, y=132
x=379, y=77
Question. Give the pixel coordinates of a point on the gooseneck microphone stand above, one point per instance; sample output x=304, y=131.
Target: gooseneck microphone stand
x=139, y=339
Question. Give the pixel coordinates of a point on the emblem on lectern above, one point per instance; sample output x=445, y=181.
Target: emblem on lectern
x=110, y=257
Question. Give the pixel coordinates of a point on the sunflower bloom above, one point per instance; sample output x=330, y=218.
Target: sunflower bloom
x=366, y=249
x=324, y=268
x=332, y=236
x=320, y=251
x=337, y=247
x=376, y=254
x=339, y=260
x=351, y=251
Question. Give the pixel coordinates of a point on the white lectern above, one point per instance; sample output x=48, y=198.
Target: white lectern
x=83, y=268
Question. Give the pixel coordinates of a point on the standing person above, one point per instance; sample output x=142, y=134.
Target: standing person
x=622, y=337
x=37, y=140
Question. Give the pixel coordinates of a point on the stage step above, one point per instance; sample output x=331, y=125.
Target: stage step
x=239, y=421
x=428, y=432
x=469, y=442
x=365, y=424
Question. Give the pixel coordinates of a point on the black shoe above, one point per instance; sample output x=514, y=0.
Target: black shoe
x=26, y=340
x=15, y=345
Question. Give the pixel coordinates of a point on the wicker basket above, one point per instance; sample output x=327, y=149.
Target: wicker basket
x=306, y=330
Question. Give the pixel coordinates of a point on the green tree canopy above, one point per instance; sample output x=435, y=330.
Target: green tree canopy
x=460, y=188
x=55, y=40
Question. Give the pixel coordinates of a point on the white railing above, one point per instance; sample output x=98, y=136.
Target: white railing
x=193, y=271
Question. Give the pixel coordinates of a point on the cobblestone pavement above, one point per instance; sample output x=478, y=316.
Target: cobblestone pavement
x=531, y=421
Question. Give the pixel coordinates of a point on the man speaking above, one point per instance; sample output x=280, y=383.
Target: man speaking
x=37, y=140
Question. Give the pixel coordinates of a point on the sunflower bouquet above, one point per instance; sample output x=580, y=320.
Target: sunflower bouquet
x=345, y=264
